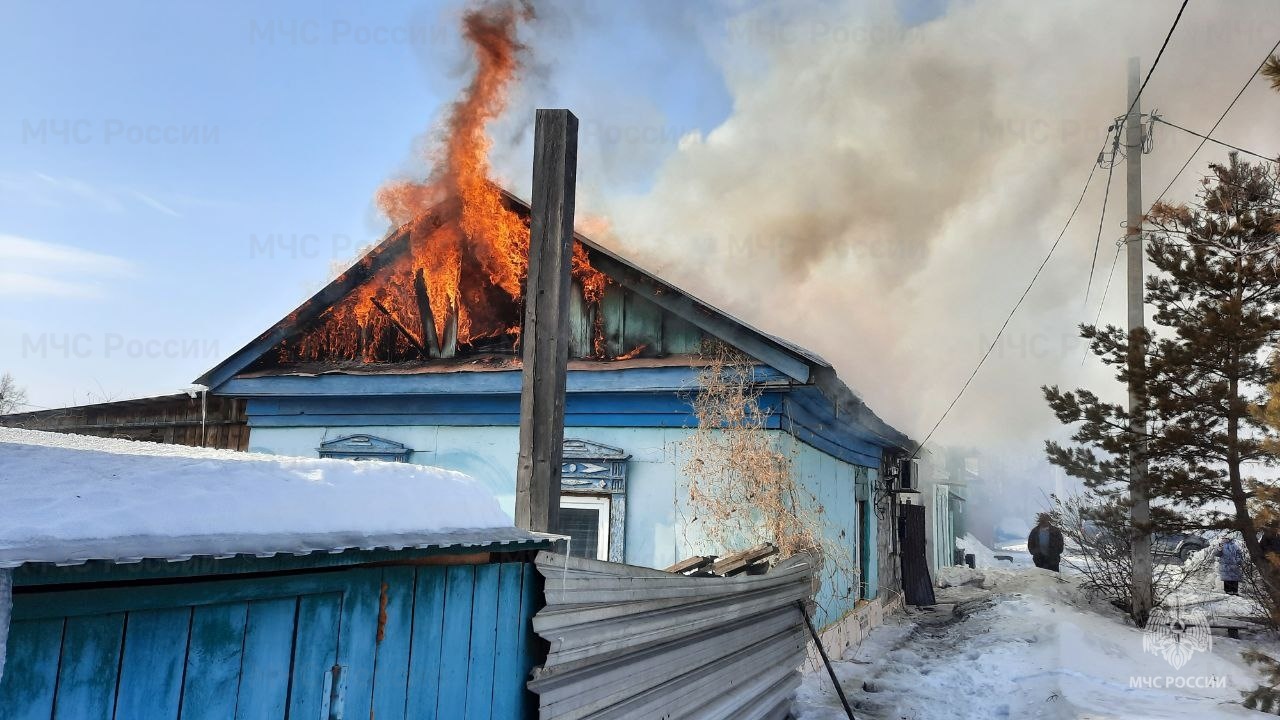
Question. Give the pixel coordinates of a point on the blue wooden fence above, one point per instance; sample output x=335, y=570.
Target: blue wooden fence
x=390, y=643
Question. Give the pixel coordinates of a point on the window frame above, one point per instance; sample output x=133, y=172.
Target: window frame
x=602, y=505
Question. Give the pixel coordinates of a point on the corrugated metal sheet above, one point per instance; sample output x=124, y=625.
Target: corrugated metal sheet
x=630, y=642
x=183, y=549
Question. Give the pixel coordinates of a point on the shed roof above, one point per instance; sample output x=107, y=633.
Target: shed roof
x=70, y=499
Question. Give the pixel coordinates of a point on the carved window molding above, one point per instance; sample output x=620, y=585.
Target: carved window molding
x=591, y=468
x=364, y=447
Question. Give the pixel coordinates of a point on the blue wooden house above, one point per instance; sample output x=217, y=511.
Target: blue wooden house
x=343, y=374
x=114, y=615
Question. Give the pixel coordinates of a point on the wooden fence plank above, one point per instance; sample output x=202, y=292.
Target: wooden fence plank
x=268, y=655
x=357, y=640
x=155, y=651
x=455, y=643
x=509, y=670
x=484, y=629
x=530, y=603
x=213, y=661
x=315, y=651
x=428, y=629
x=31, y=672
x=391, y=671
x=90, y=666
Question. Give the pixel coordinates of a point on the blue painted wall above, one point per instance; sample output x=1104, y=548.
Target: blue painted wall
x=657, y=534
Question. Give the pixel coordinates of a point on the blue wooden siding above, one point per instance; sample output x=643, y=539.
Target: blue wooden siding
x=489, y=382
x=800, y=412
x=411, y=642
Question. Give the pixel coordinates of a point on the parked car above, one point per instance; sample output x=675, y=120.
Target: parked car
x=1181, y=545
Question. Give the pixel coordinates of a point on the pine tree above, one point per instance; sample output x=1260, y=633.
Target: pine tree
x=1271, y=71
x=1215, y=294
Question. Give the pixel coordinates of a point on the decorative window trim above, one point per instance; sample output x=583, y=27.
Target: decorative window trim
x=591, y=468
x=364, y=447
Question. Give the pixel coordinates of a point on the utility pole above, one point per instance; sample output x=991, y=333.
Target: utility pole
x=545, y=339
x=1140, y=504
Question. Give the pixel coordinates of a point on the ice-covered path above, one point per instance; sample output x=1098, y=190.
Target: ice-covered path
x=1025, y=643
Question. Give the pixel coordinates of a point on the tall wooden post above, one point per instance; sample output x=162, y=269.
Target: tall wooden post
x=545, y=338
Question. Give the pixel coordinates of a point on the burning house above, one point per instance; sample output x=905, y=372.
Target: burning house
x=413, y=355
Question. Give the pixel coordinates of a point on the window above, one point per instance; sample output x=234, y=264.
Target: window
x=593, y=499
x=585, y=519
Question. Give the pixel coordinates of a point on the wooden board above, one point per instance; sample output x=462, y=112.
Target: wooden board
x=155, y=652
x=268, y=658
x=545, y=342
x=213, y=661
x=90, y=666
x=31, y=672
x=394, y=640
x=428, y=634
x=484, y=643
x=455, y=643
x=508, y=666
x=412, y=641
x=316, y=651
x=643, y=326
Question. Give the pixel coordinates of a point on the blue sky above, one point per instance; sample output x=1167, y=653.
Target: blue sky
x=174, y=177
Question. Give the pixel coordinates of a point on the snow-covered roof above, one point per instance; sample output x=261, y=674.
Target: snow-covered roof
x=67, y=499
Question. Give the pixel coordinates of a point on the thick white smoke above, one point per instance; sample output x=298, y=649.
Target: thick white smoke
x=882, y=193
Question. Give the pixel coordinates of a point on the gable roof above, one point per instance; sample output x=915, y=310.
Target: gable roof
x=798, y=364
x=792, y=360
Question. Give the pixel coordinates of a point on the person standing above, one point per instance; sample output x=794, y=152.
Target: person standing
x=1230, y=565
x=1045, y=543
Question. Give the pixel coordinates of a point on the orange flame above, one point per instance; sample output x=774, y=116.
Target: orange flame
x=459, y=264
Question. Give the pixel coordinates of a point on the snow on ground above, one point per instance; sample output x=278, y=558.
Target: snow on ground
x=1201, y=588
x=1026, y=643
x=68, y=498
x=1006, y=556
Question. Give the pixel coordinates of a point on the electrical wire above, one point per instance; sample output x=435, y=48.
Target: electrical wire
x=1053, y=247
x=1214, y=140
x=1105, y=289
x=1102, y=217
x=1208, y=137
x=1101, y=304
x=1159, y=54
x=1093, y=168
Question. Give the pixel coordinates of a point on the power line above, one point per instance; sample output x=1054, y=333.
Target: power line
x=1214, y=140
x=1115, y=146
x=1053, y=247
x=1160, y=53
x=1107, y=287
x=1036, y=276
x=1206, y=138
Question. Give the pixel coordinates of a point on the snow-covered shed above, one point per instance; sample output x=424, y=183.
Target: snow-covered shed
x=157, y=581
